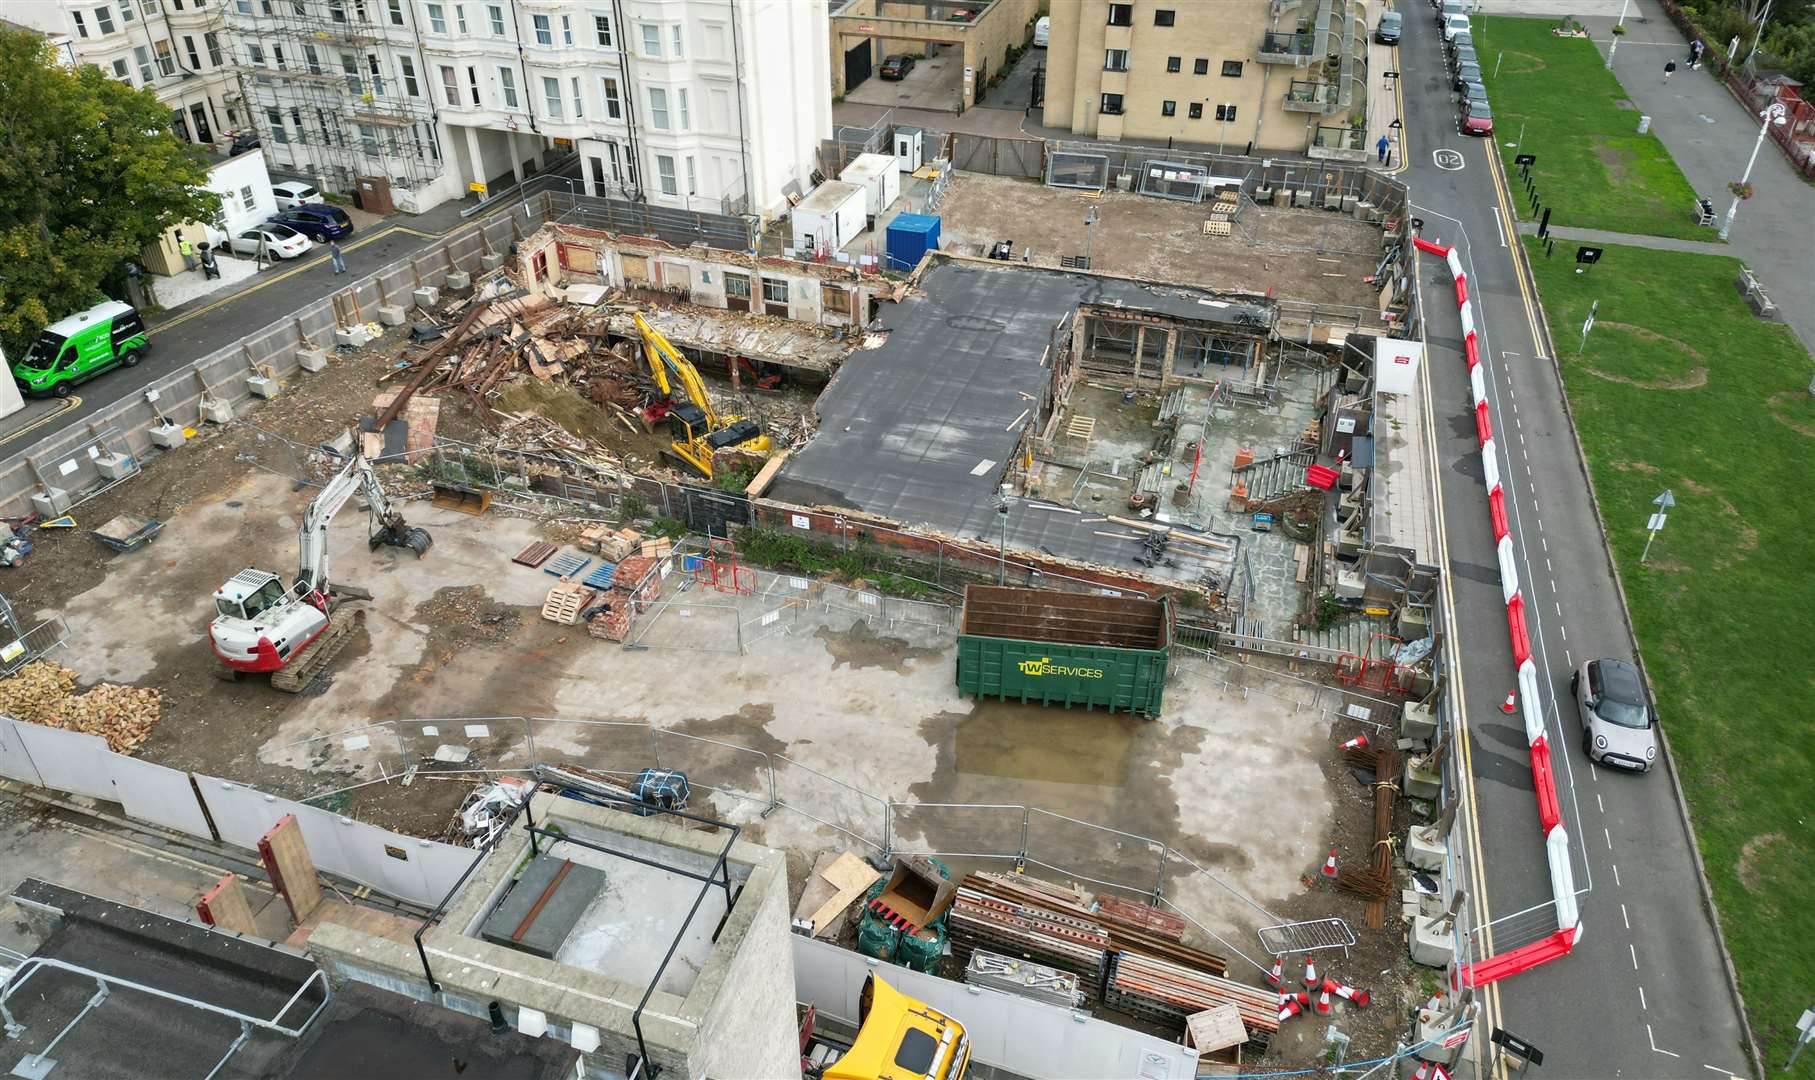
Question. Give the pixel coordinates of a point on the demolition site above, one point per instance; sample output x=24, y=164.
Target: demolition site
x=735, y=665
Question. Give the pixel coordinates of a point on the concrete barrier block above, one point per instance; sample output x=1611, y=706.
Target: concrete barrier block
x=352, y=337
x=168, y=436
x=1432, y=944
x=216, y=411
x=1425, y=852
x=426, y=297
x=51, y=502
x=491, y=262
x=391, y=314
x=1418, y=722
x=262, y=387
x=312, y=359
x=114, y=466
x=458, y=282
x=1421, y=781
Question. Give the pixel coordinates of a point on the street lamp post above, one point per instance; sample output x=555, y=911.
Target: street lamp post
x=1618, y=23
x=1090, y=224
x=1772, y=115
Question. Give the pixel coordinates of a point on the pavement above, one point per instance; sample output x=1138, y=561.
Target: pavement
x=1649, y=967
x=1655, y=243
x=185, y=333
x=1711, y=135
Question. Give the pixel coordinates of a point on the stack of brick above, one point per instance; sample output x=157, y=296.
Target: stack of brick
x=633, y=588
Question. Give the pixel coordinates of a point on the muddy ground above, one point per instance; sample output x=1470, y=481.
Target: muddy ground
x=1241, y=775
x=1312, y=256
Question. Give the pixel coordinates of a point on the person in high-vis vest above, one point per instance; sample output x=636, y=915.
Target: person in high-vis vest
x=187, y=251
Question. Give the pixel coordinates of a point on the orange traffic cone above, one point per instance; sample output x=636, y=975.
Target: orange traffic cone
x=1508, y=706
x=1357, y=998
x=1329, y=865
x=1423, y=1072
x=1288, y=1007
x=1277, y=976
x=1323, y=1000
x=1311, y=979
x=1356, y=743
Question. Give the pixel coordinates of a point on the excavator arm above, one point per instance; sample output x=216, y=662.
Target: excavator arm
x=664, y=359
x=312, y=534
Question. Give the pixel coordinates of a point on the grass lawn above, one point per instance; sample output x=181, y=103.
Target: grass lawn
x=1681, y=388
x=1593, y=169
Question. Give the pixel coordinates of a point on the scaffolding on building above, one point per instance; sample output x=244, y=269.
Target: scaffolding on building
x=336, y=95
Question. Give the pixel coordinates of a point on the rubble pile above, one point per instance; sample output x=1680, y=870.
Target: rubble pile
x=44, y=692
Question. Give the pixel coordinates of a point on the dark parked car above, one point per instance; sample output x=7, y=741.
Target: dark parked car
x=896, y=67
x=244, y=141
x=1463, y=55
x=317, y=221
x=1466, y=72
x=1386, y=32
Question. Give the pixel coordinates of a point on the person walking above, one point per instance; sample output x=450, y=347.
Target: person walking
x=187, y=251
x=1695, y=55
x=1381, y=148
x=1669, y=70
x=334, y=259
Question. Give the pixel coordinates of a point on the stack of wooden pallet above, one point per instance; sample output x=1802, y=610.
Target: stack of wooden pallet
x=1167, y=993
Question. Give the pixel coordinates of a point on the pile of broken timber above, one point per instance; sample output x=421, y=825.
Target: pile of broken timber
x=1167, y=993
x=1067, y=928
x=1375, y=883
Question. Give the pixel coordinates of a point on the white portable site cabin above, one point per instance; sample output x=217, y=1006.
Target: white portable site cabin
x=827, y=219
x=880, y=177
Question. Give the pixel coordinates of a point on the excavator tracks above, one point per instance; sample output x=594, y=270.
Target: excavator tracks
x=295, y=677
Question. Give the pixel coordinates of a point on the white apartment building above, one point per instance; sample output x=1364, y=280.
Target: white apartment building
x=177, y=47
x=711, y=105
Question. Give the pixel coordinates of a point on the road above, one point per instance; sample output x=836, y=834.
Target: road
x=1644, y=993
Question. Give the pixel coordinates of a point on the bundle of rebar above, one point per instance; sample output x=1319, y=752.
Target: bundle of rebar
x=1376, y=882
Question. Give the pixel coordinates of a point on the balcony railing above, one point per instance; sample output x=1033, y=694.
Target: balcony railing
x=1278, y=48
x=1311, y=97
x=1339, y=144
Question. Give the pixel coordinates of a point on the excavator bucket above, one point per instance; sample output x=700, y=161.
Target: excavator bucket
x=403, y=536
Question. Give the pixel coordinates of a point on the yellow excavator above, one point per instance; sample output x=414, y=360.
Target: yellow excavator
x=699, y=432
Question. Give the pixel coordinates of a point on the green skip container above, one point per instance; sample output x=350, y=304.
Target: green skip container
x=1057, y=648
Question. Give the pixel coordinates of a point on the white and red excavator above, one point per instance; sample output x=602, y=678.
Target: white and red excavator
x=293, y=632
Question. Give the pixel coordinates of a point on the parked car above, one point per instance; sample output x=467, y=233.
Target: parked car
x=896, y=67
x=1386, y=31
x=1455, y=24
x=1476, y=117
x=1474, y=95
x=242, y=142
x=1466, y=72
x=1463, y=37
x=1618, y=727
x=1446, y=8
x=280, y=240
x=1042, y=31
x=317, y=221
x=1464, y=54
x=295, y=193
x=80, y=347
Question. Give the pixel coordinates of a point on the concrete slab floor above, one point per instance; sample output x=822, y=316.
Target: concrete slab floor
x=1312, y=256
x=849, y=715
x=936, y=82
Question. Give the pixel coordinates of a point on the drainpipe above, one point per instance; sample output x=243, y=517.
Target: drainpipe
x=635, y=191
x=523, y=68
x=743, y=136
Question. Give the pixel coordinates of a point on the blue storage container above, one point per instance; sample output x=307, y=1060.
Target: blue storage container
x=910, y=237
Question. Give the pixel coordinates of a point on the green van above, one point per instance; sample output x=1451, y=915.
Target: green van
x=81, y=347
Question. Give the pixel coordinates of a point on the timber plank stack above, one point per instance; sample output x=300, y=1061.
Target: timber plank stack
x=1167, y=993
x=1067, y=928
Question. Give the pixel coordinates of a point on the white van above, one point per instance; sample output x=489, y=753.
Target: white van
x=1042, y=28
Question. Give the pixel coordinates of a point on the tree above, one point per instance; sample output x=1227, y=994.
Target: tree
x=90, y=174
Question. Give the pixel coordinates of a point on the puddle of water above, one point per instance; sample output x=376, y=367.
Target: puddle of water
x=1044, y=743
x=860, y=647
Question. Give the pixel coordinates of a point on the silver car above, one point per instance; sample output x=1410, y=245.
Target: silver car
x=1618, y=727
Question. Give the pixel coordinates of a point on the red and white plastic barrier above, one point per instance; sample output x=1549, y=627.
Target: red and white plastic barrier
x=1556, y=838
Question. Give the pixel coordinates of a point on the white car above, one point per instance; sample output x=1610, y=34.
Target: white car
x=1042, y=31
x=293, y=193
x=1455, y=24
x=281, y=241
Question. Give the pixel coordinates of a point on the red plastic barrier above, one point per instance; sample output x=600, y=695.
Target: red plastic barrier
x=1515, y=624
x=1484, y=428
x=1462, y=290
x=1496, y=505
x=1546, y=783
x=1429, y=248
x=1495, y=968
x=1471, y=351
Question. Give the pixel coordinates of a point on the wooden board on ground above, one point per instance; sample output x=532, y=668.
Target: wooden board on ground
x=1215, y=1028
x=834, y=885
